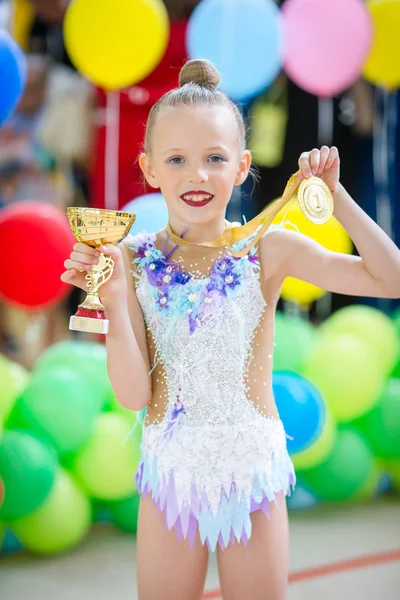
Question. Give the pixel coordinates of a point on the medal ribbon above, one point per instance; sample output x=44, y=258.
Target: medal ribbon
x=232, y=235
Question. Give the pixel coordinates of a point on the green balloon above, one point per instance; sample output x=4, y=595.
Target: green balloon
x=381, y=425
x=294, y=338
x=106, y=465
x=346, y=472
x=28, y=469
x=86, y=358
x=60, y=405
x=8, y=388
x=60, y=523
x=2, y=533
x=369, y=325
x=125, y=513
x=393, y=467
x=347, y=373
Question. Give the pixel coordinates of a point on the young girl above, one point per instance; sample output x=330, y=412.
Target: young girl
x=214, y=469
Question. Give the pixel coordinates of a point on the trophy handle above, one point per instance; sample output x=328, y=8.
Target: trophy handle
x=99, y=274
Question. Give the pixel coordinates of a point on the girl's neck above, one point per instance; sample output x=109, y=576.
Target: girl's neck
x=198, y=234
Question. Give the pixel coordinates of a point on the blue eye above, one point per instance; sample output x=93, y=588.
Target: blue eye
x=216, y=158
x=176, y=160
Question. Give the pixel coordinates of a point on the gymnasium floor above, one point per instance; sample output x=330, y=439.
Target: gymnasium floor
x=346, y=553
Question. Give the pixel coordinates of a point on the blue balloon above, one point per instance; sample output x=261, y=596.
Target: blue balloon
x=13, y=71
x=243, y=39
x=301, y=408
x=10, y=543
x=301, y=498
x=151, y=213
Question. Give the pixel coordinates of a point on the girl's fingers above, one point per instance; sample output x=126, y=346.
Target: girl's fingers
x=304, y=164
x=333, y=155
x=73, y=264
x=315, y=157
x=324, y=153
x=85, y=249
x=84, y=258
x=73, y=277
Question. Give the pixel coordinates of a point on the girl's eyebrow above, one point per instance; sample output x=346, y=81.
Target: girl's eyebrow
x=212, y=148
x=172, y=150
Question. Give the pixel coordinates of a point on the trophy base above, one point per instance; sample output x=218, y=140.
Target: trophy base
x=89, y=325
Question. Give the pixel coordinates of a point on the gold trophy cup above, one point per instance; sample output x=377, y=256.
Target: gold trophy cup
x=96, y=227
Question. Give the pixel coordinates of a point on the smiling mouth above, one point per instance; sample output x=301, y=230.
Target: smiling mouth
x=197, y=199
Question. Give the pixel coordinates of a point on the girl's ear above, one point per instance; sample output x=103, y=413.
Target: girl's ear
x=147, y=170
x=244, y=168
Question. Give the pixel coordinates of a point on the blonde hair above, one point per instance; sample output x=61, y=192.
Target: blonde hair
x=198, y=82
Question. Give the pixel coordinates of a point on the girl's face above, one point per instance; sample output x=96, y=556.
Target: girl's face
x=196, y=161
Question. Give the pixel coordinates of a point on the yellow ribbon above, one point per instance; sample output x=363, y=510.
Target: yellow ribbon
x=235, y=234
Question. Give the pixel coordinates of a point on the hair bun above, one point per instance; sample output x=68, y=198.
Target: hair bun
x=201, y=72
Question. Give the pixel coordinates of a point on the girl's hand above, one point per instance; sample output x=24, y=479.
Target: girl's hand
x=81, y=259
x=324, y=163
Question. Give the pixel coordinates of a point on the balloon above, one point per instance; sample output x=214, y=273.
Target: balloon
x=396, y=322
x=28, y=470
x=381, y=425
x=371, y=326
x=320, y=449
x=2, y=534
x=382, y=66
x=331, y=235
x=60, y=523
x=393, y=467
x=347, y=373
x=346, y=471
x=242, y=38
x=13, y=71
x=10, y=543
x=105, y=466
x=294, y=338
x=125, y=513
x=116, y=44
x=301, y=498
x=36, y=239
x=324, y=52
x=151, y=213
x=134, y=418
x=302, y=410
x=8, y=388
x=60, y=405
x=89, y=359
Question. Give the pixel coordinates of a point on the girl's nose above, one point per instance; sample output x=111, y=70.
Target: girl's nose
x=198, y=174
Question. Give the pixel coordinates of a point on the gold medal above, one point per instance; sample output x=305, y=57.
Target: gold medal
x=315, y=200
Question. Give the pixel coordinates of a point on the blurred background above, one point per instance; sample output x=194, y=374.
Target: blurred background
x=77, y=81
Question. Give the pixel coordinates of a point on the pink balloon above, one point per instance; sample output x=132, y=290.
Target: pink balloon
x=326, y=43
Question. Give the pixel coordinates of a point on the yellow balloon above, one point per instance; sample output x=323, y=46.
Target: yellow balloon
x=383, y=63
x=116, y=43
x=331, y=235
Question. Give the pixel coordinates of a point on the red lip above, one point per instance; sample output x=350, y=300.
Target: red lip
x=196, y=193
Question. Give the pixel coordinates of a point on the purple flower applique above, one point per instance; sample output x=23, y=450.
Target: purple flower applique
x=177, y=412
x=212, y=298
x=163, y=300
x=251, y=258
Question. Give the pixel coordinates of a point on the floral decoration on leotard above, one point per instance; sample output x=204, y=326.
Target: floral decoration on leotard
x=174, y=289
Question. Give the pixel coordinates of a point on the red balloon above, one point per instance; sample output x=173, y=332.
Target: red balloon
x=35, y=241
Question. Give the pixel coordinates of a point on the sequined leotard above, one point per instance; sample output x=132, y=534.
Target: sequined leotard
x=213, y=447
